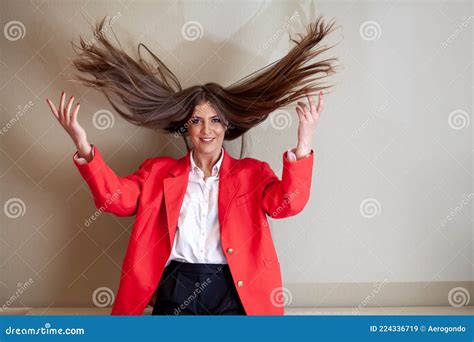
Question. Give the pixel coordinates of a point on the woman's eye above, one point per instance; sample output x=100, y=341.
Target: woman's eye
x=216, y=120
x=194, y=121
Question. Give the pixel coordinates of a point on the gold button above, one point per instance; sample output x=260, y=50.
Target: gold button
x=230, y=250
x=240, y=283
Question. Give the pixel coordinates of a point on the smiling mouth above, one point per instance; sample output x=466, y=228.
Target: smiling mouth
x=207, y=140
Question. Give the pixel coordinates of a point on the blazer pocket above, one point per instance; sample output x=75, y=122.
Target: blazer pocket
x=141, y=222
x=242, y=199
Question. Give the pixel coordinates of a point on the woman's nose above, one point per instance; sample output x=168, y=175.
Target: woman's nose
x=205, y=128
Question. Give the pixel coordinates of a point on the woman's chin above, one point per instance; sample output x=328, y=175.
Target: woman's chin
x=208, y=148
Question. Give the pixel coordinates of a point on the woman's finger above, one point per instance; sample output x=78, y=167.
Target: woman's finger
x=303, y=105
x=61, y=106
x=68, y=110
x=320, y=102
x=305, y=109
x=312, y=105
x=74, y=112
x=53, y=108
x=300, y=113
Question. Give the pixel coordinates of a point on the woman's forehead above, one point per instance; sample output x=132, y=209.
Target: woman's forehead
x=204, y=109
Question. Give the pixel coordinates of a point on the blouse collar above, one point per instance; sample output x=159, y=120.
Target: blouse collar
x=215, y=169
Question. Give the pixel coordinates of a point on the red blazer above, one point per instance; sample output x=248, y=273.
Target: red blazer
x=248, y=191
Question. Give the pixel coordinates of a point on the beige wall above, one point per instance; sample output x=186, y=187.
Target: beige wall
x=395, y=137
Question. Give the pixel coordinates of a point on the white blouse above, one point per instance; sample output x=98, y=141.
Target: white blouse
x=198, y=237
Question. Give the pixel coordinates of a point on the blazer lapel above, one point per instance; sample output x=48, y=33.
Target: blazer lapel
x=174, y=188
x=228, y=186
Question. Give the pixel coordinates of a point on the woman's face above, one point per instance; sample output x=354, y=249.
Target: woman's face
x=206, y=129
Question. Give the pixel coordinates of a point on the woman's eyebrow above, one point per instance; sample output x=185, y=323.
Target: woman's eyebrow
x=197, y=116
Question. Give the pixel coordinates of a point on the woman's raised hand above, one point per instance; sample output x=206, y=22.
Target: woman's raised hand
x=308, y=121
x=68, y=119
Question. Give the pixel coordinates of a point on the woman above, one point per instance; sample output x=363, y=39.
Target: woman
x=201, y=242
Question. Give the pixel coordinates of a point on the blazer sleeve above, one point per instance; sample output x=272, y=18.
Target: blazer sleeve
x=112, y=193
x=288, y=196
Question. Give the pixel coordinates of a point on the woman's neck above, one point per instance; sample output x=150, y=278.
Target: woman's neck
x=206, y=161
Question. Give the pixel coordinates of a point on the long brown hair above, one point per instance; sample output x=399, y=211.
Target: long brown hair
x=152, y=96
